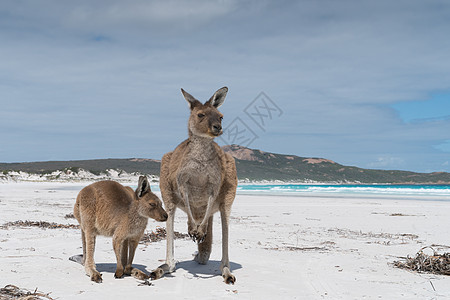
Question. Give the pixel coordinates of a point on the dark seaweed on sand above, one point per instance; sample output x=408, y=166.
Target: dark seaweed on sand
x=160, y=234
x=40, y=224
x=424, y=263
x=10, y=292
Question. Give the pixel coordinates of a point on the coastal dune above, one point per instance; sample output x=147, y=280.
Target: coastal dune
x=285, y=247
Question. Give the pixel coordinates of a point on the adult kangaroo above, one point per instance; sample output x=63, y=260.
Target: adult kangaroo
x=200, y=179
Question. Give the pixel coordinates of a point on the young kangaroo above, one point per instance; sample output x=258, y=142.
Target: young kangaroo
x=200, y=179
x=110, y=209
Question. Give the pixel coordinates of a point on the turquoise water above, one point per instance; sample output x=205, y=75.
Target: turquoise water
x=301, y=189
x=440, y=191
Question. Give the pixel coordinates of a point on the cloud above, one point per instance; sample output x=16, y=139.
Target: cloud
x=387, y=161
x=120, y=20
x=102, y=71
x=444, y=146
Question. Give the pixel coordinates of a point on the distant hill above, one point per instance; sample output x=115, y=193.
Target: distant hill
x=252, y=165
x=259, y=165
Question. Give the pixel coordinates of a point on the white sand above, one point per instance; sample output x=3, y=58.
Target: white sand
x=280, y=248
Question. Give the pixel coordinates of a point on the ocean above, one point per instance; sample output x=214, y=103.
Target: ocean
x=347, y=189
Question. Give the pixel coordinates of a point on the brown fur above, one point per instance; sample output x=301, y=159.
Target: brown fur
x=110, y=209
x=199, y=178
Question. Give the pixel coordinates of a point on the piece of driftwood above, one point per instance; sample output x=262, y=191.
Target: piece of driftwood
x=424, y=263
x=10, y=292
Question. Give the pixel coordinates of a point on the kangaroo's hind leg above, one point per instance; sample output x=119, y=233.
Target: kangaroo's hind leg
x=89, y=264
x=204, y=248
x=83, y=241
x=225, y=264
x=169, y=266
x=129, y=270
x=124, y=255
x=132, y=245
x=118, y=246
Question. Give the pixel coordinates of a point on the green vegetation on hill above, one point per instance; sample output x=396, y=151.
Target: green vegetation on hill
x=95, y=166
x=299, y=170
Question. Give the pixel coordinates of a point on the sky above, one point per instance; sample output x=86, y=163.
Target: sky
x=363, y=83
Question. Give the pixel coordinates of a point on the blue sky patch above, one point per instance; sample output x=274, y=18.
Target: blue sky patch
x=436, y=108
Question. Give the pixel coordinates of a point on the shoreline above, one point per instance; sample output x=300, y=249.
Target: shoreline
x=352, y=191
x=388, y=197
x=127, y=178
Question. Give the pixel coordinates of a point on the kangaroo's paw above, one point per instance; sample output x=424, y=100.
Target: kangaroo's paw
x=197, y=238
x=198, y=235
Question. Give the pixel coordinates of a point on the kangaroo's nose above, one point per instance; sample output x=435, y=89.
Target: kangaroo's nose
x=217, y=127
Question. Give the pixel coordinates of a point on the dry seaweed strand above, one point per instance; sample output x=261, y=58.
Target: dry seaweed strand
x=40, y=224
x=154, y=236
x=424, y=263
x=160, y=234
x=10, y=292
x=69, y=216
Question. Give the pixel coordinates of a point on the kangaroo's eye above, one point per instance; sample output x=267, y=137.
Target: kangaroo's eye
x=200, y=115
x=153, y=205
x=221, y=118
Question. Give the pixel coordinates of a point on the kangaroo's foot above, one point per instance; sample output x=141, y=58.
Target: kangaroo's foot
x=138, y=274
x=226, y=274
x=157, y=273
x=128, y=270
x=119, y=273
x=161, y=270
x=202, y=257
x=94, y=275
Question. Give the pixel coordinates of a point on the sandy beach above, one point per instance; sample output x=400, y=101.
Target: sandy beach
x=281, y=247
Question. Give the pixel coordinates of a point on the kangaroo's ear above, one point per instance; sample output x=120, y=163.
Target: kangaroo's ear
x=218, y=98
x=143, y=187
x=190, y=99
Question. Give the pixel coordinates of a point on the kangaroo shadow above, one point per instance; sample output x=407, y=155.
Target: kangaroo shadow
x=210, y=270
x=111, y=267
x=107, y=267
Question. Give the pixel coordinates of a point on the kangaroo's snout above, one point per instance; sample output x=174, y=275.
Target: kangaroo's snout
x=216, y=129
x=164, y=217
